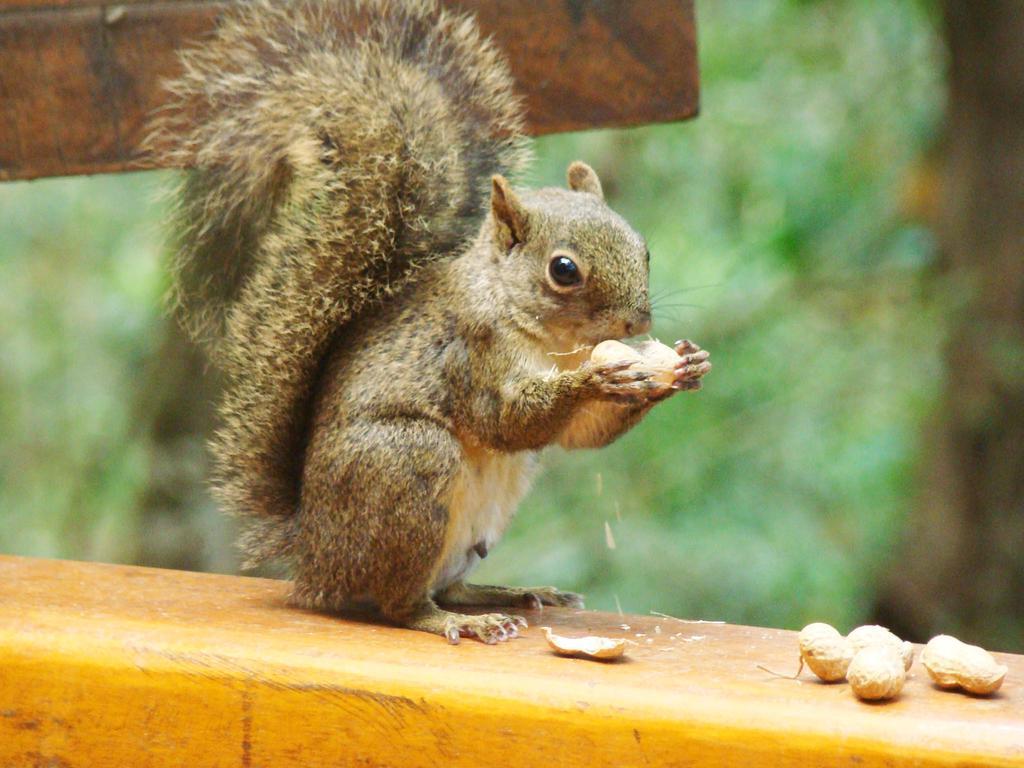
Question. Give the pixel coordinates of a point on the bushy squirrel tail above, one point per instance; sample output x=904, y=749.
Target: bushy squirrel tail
x=332, y=147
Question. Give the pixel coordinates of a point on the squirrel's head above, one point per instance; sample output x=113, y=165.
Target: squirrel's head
x=569, y=261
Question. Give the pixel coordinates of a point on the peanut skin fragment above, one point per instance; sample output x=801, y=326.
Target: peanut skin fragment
x=955, y=664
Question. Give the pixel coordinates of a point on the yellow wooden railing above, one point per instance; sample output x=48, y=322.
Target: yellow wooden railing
x=123, y=667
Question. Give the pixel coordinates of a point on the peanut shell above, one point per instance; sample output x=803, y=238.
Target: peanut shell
x=592, y=646
x=955, y=664
x=611, y=351
x=661, y=358
x=654, y=355
x=877, y=672
x=873, y=634
x=825, y=651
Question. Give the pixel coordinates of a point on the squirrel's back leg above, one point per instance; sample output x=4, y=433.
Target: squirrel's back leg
x=461, y=593
x=374, y=522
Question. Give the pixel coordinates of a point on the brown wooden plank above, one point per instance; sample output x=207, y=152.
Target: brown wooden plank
x=78, y=79
x=11, y=5
x=111, y=666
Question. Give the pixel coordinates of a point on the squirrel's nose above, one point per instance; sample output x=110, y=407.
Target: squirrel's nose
x=641, y=323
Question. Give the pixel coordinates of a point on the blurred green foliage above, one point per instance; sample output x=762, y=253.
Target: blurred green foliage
x=80, y=314
x=780, y=243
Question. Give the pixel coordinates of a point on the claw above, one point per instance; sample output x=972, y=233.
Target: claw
x=628, y=377
x=452, y=635
x=696, y=357
x=684, y=346
x=618, y=365
x=684, y=372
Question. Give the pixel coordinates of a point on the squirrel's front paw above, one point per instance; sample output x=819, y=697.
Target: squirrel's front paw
x=621, y=382
x=692, y=366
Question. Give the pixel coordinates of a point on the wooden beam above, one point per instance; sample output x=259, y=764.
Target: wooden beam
x=78, y=78
x=110, y=666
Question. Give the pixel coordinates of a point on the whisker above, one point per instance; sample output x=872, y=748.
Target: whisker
x=655, y=305
x=671, y=317
x=661, y=295
x=668, y=293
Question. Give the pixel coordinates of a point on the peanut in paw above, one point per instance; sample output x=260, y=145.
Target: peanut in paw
x=661, y=359
x=611, y=350
x=955, y=664
x=633, y=381
x=656, y=357
x=825, y=651
x=877, y=672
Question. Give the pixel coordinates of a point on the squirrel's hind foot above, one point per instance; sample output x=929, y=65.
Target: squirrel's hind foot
x=538, y=597
x=490, y=628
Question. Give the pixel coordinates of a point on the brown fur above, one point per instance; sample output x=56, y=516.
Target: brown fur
x=395, y=355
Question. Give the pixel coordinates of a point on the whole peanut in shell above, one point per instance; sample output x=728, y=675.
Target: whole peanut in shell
x=877, y=672
x=873, y=634
x=653, y=355
x=661, y=358
x=825, y=651
x=955, y=664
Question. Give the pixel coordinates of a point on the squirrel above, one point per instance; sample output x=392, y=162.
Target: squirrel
x=400, y=330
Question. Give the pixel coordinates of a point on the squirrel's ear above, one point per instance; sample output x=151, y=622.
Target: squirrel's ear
x=509, y=214
x=582, y=178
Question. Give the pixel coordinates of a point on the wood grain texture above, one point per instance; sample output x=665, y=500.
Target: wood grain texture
x=111, y=666
x=79, y=78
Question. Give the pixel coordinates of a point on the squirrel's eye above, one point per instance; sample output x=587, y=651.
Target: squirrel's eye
x=564, y=271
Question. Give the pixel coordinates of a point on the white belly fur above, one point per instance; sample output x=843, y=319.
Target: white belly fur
x=483, y=501
x=489, y=487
